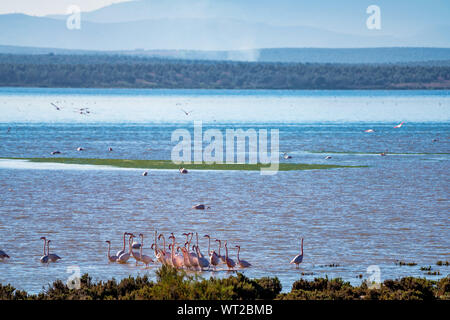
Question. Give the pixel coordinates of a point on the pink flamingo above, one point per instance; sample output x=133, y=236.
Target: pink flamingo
x=229, y=262
x=177, y=260
x=222, y=258
x=242, y=263
x=298, y=258
x=110, y=257
x=144, y=258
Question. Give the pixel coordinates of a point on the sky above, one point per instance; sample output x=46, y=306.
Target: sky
x=45, y=7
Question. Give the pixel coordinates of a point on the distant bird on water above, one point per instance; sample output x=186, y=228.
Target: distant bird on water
x=399, y=125
x=369, y=130
x=183, y=170
x=200, y=207
x=286, y=156
x=55, y=152
x=3, y=255
x=80, y=149
x=298, y=258
x=145, y=173
x=328, y=157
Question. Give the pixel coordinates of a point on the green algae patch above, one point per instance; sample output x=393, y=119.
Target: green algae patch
x=168, y=164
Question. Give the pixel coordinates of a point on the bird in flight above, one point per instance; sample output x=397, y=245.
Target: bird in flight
x=57, y=108
x=186, y=112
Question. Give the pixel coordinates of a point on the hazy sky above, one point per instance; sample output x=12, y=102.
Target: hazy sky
x=44, y=7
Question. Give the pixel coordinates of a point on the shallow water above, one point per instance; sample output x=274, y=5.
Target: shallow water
x=395, y=209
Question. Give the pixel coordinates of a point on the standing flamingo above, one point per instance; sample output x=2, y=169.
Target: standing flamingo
x=124, y=257
x=144, y=258
x=44, y=258
x=121, y=252
x=177, y=260
x=298, y=258
x=230, y=262
x=202, y=261
x=242, y=263
x=110, y=257
x=135, y=255
x=222, y=258
x=53, y=257
x=214, y=259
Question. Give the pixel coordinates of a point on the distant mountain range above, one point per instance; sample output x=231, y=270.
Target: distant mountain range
x=434, y=56
x=236, y=29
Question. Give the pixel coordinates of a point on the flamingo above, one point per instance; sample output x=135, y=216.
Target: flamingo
x=209, y=243
x=135, y=255
x=214, y=259
x=124, y=257
x=230, y=262
x=202, y=261
x=222, y=258
x=53, y=257
x=110, y=257
x=121, y=252
x=44, y=258
x=242, y=263
x=399, y=125
x=144, y=258
x=298, y=258
x=166, y=256
x=187, y=261
x=3, y=255
x=177, y=260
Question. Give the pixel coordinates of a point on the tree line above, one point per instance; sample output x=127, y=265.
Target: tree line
x=121, y=71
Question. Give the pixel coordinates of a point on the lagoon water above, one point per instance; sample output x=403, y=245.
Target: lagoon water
x=397, y=208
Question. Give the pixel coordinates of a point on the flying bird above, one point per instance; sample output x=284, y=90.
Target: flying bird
x=186, y=112
x=57, y=108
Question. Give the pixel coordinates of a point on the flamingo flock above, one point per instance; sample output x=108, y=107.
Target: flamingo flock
x=183, y=254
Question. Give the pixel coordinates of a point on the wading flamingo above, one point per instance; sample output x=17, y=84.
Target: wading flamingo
x=124, y=257
x=110, y=257
x=177, y=260
x=53, y=257
x=230, y=262
x=44, y=258
x=242, y=263
x=135, y=255
x=202, y=261
x=144, y=258
x=121, y=252
x=222, y=258
x=298, y=258
x=214, y=259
